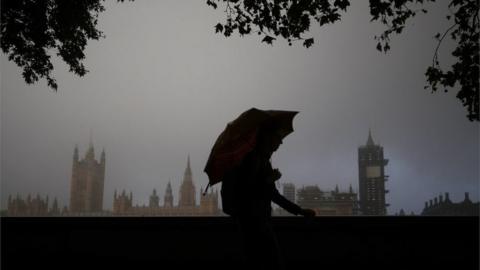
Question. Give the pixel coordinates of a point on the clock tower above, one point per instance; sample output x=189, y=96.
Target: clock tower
x=372, y=178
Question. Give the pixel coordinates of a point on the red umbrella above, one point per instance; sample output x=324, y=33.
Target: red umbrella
x=239, y=138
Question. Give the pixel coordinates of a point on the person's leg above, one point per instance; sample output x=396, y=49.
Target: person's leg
x=260, y=245
x=251, y=237
x=275, y=256
x=244, y=241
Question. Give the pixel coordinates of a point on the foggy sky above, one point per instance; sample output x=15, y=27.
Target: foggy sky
x=163, y=86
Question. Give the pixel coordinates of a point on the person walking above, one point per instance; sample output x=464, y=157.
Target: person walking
x=240, y=159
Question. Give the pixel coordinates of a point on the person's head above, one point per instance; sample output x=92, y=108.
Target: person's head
x=276, y=141
x=268, y=139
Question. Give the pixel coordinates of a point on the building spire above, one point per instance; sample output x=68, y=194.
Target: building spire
x=75, y=153
x=187, y=189
x=91, y=151
x=188, y=171
x=90, y=145
x=169, y=187
x=168, y=198
x=370, y=140
x=102, y=157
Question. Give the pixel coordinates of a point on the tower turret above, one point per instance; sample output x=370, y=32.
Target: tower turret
x=153, y=199
x=90, y=155
x=168, y=198
x=87, y=181
x=447, y=198
x=102, y=157
x=372, y=178
x=188, y=170
x=370, y=139
x=75, y=154
x=55, y=210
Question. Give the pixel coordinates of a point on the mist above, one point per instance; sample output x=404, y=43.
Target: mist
x=162, y=86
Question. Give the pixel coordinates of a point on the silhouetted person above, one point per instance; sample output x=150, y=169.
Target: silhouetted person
x=247, y=193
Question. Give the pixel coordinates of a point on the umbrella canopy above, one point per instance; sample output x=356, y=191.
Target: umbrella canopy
x=239, y=138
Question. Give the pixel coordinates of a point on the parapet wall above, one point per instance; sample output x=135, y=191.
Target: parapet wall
x=408, y=242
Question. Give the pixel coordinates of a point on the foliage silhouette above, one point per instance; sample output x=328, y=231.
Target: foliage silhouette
x=31, y=30
x=291, y=20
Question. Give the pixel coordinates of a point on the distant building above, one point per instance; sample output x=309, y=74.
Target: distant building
x=31, y=206
x=168, y=198
x=310, y=197
x=289, y=191
x=445, y=207
x=122, y=203
x=186, y=206
x=372, y=178
x=332, y=203
x=154, y=199
x=87, y=182
x=55, y=210
x=187, y=189
x=209, y=204
x=403, y=213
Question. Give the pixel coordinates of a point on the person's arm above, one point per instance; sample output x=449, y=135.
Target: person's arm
x=290, y=206
x=283, y=202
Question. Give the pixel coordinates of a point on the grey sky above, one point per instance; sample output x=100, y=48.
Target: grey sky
x=162, y=85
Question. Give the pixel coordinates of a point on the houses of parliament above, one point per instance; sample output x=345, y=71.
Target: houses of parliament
x=88, y=179
x=187, y=206
x=87, y=196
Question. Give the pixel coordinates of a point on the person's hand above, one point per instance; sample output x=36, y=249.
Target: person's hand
x=309, y=213
x=276, y=174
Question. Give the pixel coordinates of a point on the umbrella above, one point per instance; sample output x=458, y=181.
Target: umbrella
x=239, y=138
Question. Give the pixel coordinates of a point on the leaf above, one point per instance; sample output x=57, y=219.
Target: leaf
x=386, y=48
x=268, y=39
x=308, y=42
x=218, y=28
x=211, y=3
x=342, y=4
